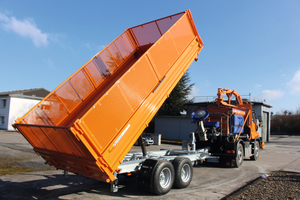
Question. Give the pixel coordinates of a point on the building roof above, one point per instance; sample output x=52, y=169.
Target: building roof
x=207, y=103
x=36, y=92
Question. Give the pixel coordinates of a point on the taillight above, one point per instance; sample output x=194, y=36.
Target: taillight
x=230, y=164
x=230, y=151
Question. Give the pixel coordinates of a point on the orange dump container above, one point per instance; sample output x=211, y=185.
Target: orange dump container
x=89, y=123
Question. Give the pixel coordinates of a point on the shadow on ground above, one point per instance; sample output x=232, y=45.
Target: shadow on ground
x=56, y=186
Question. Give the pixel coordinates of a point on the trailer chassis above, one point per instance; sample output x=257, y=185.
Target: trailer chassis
x=160, y=170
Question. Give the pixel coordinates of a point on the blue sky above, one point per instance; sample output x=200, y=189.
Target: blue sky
x=249, y=46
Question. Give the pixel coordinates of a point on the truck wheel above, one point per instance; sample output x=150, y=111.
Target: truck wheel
x=183, y=172
x=163, y=178
x=239, y=155
x=256, y=151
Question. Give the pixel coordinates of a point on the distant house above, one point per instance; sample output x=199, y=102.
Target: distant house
x=15, y=104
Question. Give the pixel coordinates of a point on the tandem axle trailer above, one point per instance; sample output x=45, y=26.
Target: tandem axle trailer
x=159, y=171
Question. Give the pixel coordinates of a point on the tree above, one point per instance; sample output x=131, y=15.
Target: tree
x=176, y=103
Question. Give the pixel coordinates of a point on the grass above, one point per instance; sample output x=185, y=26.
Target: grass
x=12, y=166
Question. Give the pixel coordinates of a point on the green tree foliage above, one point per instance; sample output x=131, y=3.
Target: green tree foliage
x=176, y=103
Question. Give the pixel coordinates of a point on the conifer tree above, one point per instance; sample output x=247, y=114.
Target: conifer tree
x=176, y=103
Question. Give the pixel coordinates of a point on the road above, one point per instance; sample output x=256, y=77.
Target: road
x=209, y=181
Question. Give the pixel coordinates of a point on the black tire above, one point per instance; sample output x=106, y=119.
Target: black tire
x=163, y=178
x=183, y=172
x=239, y=158
x=256, y=151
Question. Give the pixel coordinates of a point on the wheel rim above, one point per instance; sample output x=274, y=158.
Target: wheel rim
x=240, y=155
x=185, y=172
x=256, y=149
x=165, y=177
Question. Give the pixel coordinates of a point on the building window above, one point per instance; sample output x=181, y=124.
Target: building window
x=2, y=120
x=3, y=103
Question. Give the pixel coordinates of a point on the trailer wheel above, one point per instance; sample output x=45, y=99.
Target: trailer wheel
x=239, y=155
x=183, y=172
x=256, y=151
x=163, y=178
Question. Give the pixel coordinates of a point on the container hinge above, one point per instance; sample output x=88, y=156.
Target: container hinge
x=102, y=162
x=76, y=133
x=77, y=130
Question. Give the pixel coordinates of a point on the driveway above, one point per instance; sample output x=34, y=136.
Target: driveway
x=209, y=181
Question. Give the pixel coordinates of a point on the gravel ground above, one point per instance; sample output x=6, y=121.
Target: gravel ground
x=278, y=185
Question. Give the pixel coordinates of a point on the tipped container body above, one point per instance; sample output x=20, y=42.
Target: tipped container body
x=89, y=123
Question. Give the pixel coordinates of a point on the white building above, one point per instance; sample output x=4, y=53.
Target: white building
x=15, y=104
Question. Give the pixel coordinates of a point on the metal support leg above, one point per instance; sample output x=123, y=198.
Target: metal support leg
x=66, y=173
x=142, y=145
x=192, y=142
x=114, y=186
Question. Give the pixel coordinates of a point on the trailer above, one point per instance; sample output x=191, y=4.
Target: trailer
x=88, y=124
x=159, y=171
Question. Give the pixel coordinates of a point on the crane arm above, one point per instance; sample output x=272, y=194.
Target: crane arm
x=229, y=93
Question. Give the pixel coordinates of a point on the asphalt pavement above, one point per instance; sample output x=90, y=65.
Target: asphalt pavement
x=209, y=181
